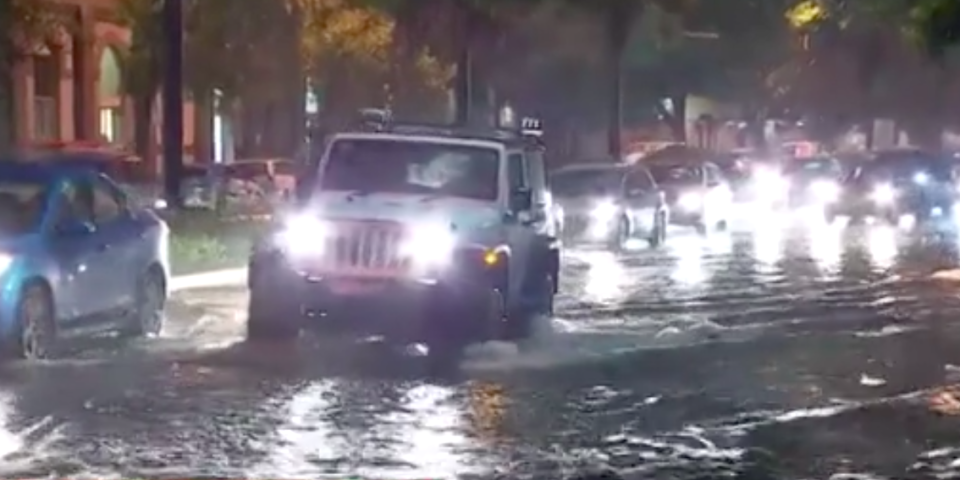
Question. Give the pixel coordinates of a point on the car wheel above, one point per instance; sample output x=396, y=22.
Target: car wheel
x=36, y=324
x=659, y=234
x=701, y=227
x=271, y=315
x=620, y=236
x=151, y=301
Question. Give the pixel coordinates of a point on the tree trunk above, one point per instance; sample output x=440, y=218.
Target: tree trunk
x=143, y=131
x=7, y=116
x=617, y=33
x=203, y=127
x=463, y=86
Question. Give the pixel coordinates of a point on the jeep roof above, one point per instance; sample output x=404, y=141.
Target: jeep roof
x=379, y=124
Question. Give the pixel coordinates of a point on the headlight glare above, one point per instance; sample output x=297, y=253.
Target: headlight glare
x=825, y=191
x=884, y=193
x=690, y=201
x=430, y=245
x=604, y=211
x=303, y=235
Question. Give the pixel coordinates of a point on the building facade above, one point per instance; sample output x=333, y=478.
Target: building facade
x=69, y=89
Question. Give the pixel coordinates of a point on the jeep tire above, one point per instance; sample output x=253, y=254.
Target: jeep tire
x=459, y=321
x=271, y=313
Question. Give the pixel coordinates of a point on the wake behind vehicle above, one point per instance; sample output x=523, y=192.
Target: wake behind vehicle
x=812, y=182
x=899, y=187
x=609, y=204
x=76, y=255
x=696, y=192
x=413, y=234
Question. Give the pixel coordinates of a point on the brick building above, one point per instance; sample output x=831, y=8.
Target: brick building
x=70, y=88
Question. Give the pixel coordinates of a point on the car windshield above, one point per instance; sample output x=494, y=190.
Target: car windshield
x=409, y=167
x=904, y=170
x=812, y=167
x=675, y=174
x=21, y=206
x=578, y=183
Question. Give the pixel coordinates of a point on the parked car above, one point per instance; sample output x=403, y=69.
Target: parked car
x=76, y=254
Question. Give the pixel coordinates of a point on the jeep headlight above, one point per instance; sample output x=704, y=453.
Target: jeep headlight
x=303, y=235
x=430, y=245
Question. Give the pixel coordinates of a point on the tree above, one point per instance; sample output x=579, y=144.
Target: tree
x=141, y=68
x=21, y=21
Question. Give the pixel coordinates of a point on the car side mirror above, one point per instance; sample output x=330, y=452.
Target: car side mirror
x=521, y=201
x=74, y=228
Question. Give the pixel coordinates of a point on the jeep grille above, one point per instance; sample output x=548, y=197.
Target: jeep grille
x=363, y=248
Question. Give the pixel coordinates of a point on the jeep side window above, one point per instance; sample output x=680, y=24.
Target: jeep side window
x=537, y=176
x=517, y=172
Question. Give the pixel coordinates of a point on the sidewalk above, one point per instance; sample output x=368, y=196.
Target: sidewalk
x=231, y=277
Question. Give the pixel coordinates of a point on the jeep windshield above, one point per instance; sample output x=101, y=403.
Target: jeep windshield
x=411, y=167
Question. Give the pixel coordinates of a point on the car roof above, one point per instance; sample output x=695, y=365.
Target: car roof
x=26, y=171
x=595, y=167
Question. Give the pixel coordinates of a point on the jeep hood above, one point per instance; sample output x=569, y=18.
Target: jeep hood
x=461, y=213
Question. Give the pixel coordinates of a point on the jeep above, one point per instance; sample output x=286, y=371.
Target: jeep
x=412, y=234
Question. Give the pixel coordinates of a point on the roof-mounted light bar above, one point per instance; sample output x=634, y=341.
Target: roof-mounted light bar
x=531, y=127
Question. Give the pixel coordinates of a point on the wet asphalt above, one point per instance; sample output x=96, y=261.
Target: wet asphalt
x=779, y=350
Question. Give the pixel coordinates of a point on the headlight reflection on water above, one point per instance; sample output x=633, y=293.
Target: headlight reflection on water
x=605, y=277
x=882, y=247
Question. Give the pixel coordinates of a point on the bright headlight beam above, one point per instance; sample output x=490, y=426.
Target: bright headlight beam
x=303, y=235
x=690, y=201
x=604, y=210
x=824, y=190
x=884, y=193
x=430, y=244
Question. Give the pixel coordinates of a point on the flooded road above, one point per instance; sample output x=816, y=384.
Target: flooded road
x=767, y=352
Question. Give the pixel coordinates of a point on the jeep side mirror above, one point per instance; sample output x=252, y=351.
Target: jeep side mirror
x=521, y=201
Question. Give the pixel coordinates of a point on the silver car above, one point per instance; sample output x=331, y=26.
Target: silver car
x=609, y=204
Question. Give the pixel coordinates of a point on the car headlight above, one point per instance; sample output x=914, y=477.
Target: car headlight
x=884, y=193
x=5, y=262
x=303, y=236
x=769, y=182
x=430, y=245
x=825, y=191
x=921, y=178
x=690, y=201
x=604, y=211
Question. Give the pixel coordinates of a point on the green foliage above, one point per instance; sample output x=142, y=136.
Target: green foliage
x=202, y=241
x=141, y=61
x=21, y=22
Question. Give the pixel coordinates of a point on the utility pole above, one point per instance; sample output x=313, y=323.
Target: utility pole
x=172, y=138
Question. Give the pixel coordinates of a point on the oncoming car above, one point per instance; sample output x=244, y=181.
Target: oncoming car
x=697, y=193
x=413, y=234
x=609, y=204
x=899, y=187
x=812, y=181
x=76, y=254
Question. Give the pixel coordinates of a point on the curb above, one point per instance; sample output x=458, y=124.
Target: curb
x=216, y=278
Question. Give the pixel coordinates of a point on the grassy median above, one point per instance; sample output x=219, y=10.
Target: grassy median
x=202, y=240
